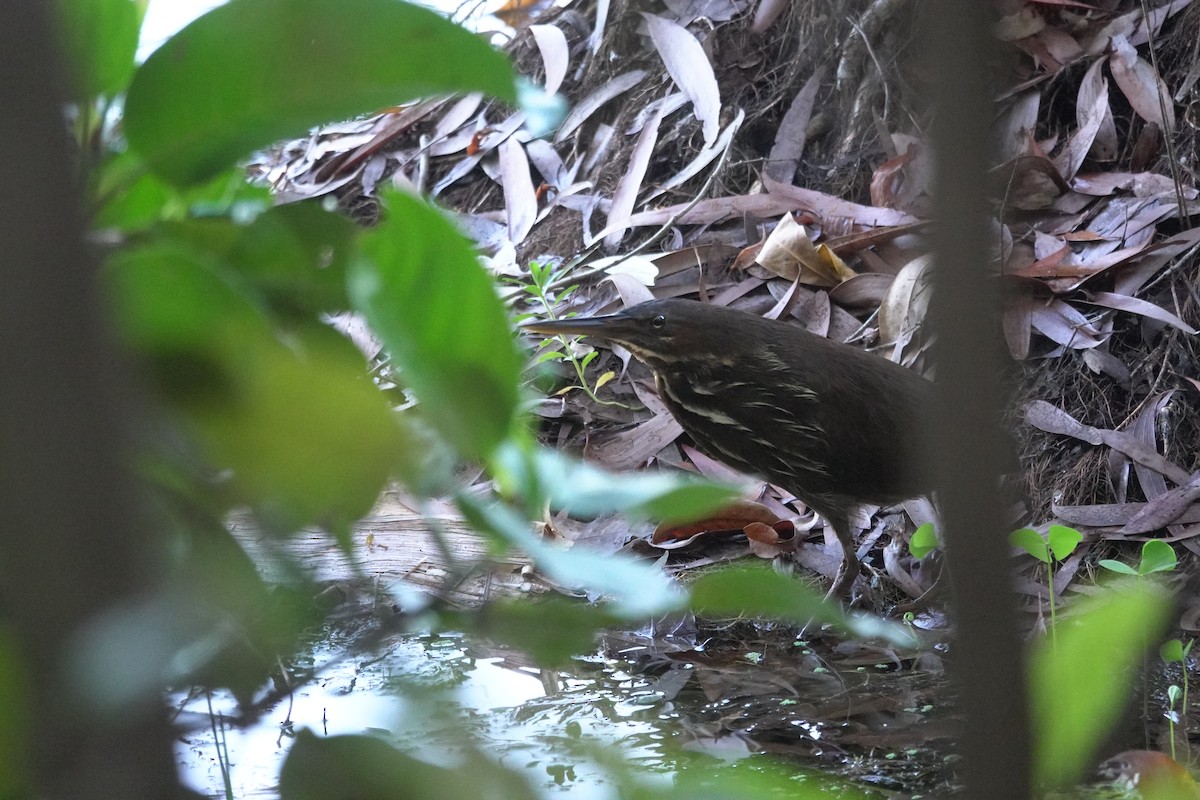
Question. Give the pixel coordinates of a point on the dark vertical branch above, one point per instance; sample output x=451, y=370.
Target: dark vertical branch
x=68, y=545
x=987, y=659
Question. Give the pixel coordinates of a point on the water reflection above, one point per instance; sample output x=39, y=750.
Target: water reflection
x=604, y=728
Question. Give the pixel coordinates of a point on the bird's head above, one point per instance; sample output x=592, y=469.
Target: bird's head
x=658, y=332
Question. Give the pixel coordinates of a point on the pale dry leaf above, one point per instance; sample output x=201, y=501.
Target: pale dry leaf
x=791, y=135
x=1091, y=87
x=672, y=102
x=640, y=268
x=1144, y=429
x=702, y=159
x=1132, y=27
x=597, y=34
x=1016, y=321
x=1025, y=22
x=691, y=70
x=1135, y=305
x=546, y=161
x=1091, y=119
x=1100, y=361
x=1062, y=324
x=456, y=116
x=790, y=253
x=716, y=209
x=520, y=199
x=589, y=105
x=556, y=55
x=630, y=288
x=1052, y=419
x=907, y=300
x=1017, y=121
x=831, y=208
x=635, y=447
x=1165, y=509
x=1139, y=184
x=1141, y=85
x=625, y=195
x=499, y=133
x=766, y=13
x=864, y=290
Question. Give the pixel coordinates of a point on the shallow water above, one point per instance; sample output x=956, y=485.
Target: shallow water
x=589, y=732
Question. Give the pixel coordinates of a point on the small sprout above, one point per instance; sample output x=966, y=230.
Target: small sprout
x=1157, y=556
x=923, y=541
x=754, y=658
x=1172, y=651
x=1059, y=543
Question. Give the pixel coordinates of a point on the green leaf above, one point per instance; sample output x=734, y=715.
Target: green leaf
x=308, y=437
x=436, y=310
x=1078, y=687
x=1171, y=651
x=551, y=631
x=174, y=303
x=923, y=541
x=132, y=199
x=366, y=768
x=100, y=37
x=1063, y=541
x=637, y=589
x=1031, y=542
x=296, y=255
x=1120, y=567
x=1157, y=556
x=255, y=71
x=546, y=476
x=762, y=592
x=16, y=697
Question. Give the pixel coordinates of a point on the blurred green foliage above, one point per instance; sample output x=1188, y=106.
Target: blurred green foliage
x=222, y=300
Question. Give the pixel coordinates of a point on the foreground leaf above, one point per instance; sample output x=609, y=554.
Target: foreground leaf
x=584, y=491
x=366, y=768
x=100, y=37
x=256, y=71
x=637, y=589
x=1078, y=688
x=762, y=592
x=437, y=312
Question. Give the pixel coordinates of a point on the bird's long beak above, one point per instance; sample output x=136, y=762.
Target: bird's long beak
x=611, y=327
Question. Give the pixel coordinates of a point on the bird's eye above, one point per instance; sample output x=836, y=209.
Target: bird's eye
x=659, y=322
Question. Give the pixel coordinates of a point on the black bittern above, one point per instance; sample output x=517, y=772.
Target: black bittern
x=832, y=424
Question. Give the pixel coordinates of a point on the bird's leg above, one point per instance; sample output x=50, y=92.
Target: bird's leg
x=848, y=571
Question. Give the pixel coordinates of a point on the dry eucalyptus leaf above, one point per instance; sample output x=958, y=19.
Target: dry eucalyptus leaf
x=907, y=300
x=689, y=67
x=1141, y=85
x=556, y=55
x=789, y=252
x=520, y=199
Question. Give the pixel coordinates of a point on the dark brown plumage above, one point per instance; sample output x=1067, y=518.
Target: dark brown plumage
x=834, y=425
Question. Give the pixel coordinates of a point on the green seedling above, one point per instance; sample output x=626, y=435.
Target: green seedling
x=1173, y=651
x=923, y=541
x=1157, y=556
x=543, y=277
x=1059, y=543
